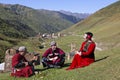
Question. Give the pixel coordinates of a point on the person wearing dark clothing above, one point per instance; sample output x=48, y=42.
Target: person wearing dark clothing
x=53, y=57
x=20, y=66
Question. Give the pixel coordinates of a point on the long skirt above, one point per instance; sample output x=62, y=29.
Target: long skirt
x=24, y=72
x=79, y=62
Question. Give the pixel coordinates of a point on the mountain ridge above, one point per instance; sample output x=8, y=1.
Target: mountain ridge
x=104, y=24
x=20, y=22
x=40, y=19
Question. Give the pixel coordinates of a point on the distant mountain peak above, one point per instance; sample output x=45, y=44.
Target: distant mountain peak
x=79, y=15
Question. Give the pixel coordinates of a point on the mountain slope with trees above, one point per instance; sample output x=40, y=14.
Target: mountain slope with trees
x=39, y=20
x=105, y=26
x=20, y=22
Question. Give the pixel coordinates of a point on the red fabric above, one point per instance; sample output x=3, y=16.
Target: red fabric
x=49, y=51
x=85, y=59
x=25, y=71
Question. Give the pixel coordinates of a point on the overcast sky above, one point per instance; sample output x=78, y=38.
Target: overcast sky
x=79, y=6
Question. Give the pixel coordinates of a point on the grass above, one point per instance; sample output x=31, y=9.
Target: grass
x=106, y=67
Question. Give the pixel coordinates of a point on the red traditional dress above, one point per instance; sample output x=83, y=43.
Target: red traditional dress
x=86, y=57
x=25, y=71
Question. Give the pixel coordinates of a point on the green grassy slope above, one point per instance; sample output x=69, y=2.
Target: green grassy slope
x=105, y=24
x=15, y=29
x=106, y=66
x=17, y=21
x=106, y=31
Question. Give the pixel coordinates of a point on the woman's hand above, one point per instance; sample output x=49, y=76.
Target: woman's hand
x=77, y=52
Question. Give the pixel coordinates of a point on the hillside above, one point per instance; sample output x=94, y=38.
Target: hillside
x=10, y=34
x=18, y=22
x=13, y=29
x=39, y=20
x=78, y=15
x=104, y=24
x=106, y=32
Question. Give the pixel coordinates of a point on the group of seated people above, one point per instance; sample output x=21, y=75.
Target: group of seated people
x=53, y=57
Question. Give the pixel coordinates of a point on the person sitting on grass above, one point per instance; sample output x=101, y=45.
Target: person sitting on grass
x=20, y=66
x=53, y=57
x=85, y=56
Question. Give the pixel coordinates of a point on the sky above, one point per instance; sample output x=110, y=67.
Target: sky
x=75, y=6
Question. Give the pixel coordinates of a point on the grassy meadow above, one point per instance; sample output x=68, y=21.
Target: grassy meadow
x=105, y=25
x=106, y=66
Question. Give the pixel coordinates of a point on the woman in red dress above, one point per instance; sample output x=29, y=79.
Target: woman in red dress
x=85, y=56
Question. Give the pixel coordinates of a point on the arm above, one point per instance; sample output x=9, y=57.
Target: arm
x=81, y=48
x=19, y=65
x=46, y=53
x=16, y=63
x=61, y=53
